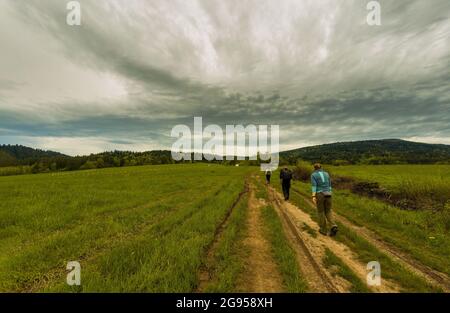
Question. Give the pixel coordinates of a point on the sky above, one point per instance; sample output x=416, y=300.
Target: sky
x=134, y=69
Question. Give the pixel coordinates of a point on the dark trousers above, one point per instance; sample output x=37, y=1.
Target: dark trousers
x=286, y=186
x=268, y=179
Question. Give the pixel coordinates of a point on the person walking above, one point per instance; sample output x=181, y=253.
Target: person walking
x=286, y=177
x=268, y=175
x=322, y=198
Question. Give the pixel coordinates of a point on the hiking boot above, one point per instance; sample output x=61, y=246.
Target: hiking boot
x=333, y=231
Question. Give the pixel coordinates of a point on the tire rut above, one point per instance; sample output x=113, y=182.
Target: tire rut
x=432, y=276
x=317, y=246
x=206, y=270
x=318, y=280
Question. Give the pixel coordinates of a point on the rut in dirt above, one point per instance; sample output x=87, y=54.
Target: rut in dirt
x=317, y=279
x=432, y=276
x=316, y=247
x=207, y=269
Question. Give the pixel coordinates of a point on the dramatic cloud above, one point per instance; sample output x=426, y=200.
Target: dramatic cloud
x=136, y=68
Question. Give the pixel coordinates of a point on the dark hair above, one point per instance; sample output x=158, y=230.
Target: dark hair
x=317, y=166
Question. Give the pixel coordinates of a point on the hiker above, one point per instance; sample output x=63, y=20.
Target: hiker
x=268, y=175
x=321, y=196
x=285, y=177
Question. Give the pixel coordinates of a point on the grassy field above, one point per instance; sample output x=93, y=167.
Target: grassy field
x=156, y=228
x=427, y=184
x=132, y=229
x=392, y=176
x=227, y=264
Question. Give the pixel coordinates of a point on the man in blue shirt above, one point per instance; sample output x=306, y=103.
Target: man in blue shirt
x=321, y=195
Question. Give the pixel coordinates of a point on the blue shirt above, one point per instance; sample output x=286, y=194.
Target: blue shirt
x=320, y=181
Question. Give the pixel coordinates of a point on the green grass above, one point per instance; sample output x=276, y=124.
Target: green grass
x=365, y=251
x=331, y=261
x=15, y=170
x=309, y=230
x=390, y=175
x=283, y=253
x=425, y=184
x=132, y=229
x=228, y=256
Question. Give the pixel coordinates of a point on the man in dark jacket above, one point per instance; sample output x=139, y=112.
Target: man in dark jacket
x=286, y=177
x=268, y=175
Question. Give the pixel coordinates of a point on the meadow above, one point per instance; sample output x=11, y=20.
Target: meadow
x=160, y=228
x=131, y=229
x=426, y=186
x=392, y=175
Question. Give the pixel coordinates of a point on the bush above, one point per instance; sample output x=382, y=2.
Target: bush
x=89, y=165
x=303, y=171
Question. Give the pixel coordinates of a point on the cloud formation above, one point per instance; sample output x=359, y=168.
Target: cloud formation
x=134, y=69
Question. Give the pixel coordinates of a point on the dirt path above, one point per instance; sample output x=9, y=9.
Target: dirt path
x=316, y=246
x=318, y=279
x=432, y=276
x=261, y=272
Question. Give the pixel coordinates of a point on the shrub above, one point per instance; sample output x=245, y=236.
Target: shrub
x=303, y=171
x=89, y=165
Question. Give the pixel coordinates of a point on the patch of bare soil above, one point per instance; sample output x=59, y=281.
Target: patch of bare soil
x=319, y=280
x=316, y=245
x=261, y=273
x=432, y=276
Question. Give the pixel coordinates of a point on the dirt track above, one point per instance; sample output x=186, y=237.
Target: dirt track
x=261, y=273
x=315, y=247
x=432, y=276
x=317, y=278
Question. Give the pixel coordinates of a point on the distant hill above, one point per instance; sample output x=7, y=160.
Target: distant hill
x=11, y=155
x=387, y=151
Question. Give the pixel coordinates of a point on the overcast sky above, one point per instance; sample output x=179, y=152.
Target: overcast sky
x=136, y=68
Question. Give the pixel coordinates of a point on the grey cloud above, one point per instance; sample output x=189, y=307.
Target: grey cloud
x=313, y=67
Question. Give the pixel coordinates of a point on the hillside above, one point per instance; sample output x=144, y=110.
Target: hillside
x=388, y=151
x=11, y=155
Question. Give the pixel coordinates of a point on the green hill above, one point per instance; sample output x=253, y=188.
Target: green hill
x=387, y=151
x=11, y=155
